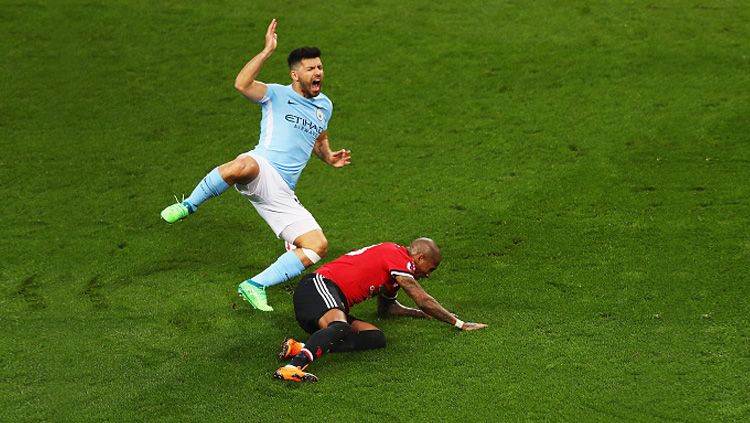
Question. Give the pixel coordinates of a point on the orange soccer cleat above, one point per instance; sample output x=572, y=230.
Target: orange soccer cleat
x=290, y=348
x=294, y=373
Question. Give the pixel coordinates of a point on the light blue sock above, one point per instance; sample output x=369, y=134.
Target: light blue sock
x=284, y=268
x=210, y=186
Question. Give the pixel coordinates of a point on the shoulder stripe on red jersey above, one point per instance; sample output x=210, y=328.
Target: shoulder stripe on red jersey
x=401, y=273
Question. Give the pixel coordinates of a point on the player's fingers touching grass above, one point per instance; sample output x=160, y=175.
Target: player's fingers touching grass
x=473, y=326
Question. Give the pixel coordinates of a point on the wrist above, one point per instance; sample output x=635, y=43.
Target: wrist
x=459, y=323
x=266, y=53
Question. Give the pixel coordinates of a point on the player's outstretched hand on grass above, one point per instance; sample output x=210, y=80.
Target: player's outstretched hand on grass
x=473, y=326
x=271, y=37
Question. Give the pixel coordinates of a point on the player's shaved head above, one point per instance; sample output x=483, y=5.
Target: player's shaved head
x=428, y=247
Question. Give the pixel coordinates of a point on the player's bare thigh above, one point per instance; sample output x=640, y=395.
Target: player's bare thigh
x=336, y=315
x=242, y=170
x=332, y=315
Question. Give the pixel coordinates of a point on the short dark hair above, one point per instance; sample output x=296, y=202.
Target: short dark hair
x=297, y=55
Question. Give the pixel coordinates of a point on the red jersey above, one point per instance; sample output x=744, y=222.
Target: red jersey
x=360, y=273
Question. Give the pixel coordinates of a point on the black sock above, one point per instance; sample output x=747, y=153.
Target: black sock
x=321, y=342
x=358, y=341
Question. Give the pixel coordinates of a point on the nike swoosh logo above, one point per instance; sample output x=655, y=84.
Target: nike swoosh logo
x=290, y=102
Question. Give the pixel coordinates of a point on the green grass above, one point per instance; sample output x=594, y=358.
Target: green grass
x=584, y=166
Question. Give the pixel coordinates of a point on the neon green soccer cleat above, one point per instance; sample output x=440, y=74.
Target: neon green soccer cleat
x=175, y=212
x=254, y=295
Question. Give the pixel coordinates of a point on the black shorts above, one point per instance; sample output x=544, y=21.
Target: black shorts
x=314, y=296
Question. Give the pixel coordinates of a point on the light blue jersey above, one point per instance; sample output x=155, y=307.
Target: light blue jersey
x=290, y=125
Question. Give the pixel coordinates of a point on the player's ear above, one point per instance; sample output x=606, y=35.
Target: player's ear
x=293, y=74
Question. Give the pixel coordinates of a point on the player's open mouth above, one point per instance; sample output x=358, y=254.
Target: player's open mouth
x=316, y=83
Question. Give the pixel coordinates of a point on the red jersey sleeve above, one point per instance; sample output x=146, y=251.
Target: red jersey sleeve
x=399, y=264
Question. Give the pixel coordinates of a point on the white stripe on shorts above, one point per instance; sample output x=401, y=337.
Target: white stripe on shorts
x=322, y=289
x=327, y=292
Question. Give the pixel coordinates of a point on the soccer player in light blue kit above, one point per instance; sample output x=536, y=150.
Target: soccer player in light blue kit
x=293, y=126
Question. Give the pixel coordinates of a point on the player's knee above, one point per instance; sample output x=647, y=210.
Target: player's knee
x=243, y=169
x=319, y=245
x=371, y=339
x=247, y=166
x=342, y=329
x=322, y=249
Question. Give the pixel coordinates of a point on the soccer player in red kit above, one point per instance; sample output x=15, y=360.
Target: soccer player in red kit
x=322, y=301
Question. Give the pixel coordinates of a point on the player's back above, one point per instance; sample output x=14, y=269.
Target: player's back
x=360, y=273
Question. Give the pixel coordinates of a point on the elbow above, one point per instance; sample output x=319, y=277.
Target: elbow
x=243, y=85
x=384, y=309
x=383, y=313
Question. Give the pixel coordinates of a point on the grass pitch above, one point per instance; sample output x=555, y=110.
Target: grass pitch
x=584, y=166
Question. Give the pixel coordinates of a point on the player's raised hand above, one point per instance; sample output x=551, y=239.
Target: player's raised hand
x=473, y=326
x=340, y=158
x=271, y=37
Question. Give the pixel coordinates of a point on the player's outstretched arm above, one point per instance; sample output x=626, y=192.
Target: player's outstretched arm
x=322, y=149
x=431, y=306
x=388, y=306
x=245, y=81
